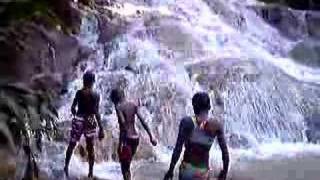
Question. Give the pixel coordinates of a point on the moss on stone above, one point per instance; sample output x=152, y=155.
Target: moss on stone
x=50, y=12
x=23, y=10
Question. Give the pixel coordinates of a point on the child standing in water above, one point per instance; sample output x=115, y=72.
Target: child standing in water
x=84, y=122
x=197, y=135
x=129, y=136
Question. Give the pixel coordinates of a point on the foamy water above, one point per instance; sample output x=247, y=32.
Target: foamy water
x=111, y=170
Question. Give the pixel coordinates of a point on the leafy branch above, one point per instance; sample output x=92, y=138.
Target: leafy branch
x=28, y=115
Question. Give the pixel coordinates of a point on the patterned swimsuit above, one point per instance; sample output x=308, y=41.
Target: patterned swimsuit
x=195, y=165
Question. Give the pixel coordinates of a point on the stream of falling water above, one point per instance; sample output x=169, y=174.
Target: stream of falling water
x=180, y=47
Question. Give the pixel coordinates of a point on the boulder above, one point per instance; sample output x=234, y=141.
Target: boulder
x=312, y=19
x=33, y=54
x=232, y=17
x=109, y=26
x=307, y=53
x=290, y=23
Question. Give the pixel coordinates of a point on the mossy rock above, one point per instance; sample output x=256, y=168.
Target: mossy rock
x=89, y=3
x=49, y=12
x=17, y=10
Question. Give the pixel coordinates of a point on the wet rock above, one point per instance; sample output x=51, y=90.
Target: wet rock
x=42, y=54
x=63, y=131
x=307, y=53
x=297, y=4
x=104, y=2
x=95, y=178
x=134, y=2
x=110, y=25
x=290, y=23
x=312, y=19
x=31, y=52
x=69, y=13
x=57, y=174
x=214, y=74
x=89, y=3
x=234, y=18
x=184, y=42
x=238, y=141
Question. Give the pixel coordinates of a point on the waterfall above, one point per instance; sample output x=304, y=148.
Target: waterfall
x=176, y=48
x=162, y=47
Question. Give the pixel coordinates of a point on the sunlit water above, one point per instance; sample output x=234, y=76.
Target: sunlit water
x=176, y=43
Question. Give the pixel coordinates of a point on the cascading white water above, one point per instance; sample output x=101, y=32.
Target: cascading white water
x=174, y=43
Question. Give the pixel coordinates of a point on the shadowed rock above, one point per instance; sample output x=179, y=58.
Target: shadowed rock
x=297, y=4
x=307, y=53
x=313, y=24
x=290, y=23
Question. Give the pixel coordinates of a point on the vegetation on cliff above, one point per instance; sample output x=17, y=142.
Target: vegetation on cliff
x=49, y=12
x=30, y=34
x=25, y=116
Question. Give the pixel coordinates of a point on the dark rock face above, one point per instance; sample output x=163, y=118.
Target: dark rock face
x=307, y=53
x=290, y=23
x=44, y=55
x=297, y=4
x=234, y=18
x=40, y=50
x=38, y=53
x=32, y=53
x=109, y=27
x=296, y=25
x=313, y=23
x=293, y=24
x=68, y=12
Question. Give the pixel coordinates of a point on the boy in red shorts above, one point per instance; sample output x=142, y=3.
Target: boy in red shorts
x=86, y=118
x=127, y=112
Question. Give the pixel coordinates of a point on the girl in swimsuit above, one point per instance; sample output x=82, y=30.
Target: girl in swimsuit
x=197, y=134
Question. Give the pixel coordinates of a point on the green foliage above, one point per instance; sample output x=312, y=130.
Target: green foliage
x=28, y=10
x=22, y=10
x=27, y=114
x=28, y=109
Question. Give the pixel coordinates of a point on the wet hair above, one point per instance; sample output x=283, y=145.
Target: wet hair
x=88, y=79
x=116, y=95
x=201, y=102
